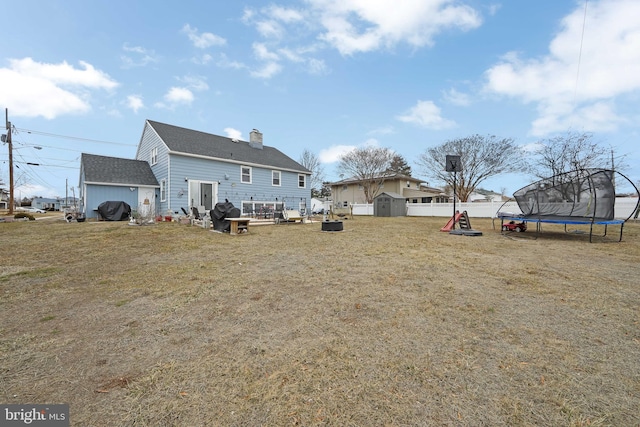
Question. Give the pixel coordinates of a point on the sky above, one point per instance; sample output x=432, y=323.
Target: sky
x=327, y=76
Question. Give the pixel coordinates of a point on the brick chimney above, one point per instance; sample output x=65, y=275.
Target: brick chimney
x=255, y=139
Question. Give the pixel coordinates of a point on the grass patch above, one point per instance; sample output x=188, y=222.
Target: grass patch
x=390, y=322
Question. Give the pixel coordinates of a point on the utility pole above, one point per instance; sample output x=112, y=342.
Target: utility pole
x=8, y=123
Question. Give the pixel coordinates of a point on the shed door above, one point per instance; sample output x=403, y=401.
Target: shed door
x=383, y=206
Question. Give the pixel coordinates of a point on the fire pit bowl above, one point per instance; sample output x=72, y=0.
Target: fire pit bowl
x=332, y=225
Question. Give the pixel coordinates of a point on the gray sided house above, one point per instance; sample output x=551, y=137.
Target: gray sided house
x=105, y=179
x=198, y=169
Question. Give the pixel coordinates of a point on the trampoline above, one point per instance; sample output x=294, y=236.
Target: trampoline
x=583, y=196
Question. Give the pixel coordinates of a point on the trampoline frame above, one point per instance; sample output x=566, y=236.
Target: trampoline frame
x=539, y=219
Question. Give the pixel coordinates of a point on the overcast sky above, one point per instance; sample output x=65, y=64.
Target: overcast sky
x=328, y=76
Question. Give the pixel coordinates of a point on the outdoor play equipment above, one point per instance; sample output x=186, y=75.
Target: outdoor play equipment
x=464, y=225
x=582, y=196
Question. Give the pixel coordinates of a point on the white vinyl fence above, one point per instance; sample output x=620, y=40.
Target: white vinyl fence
x=623, y=208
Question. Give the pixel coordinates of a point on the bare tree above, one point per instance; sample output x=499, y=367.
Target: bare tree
x=481, y=156
x=569, y=152
x=311, y=161
x=367, y=165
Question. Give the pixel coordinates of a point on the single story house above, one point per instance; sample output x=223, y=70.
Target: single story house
x=51, y=204
x=193, y=169
x=105, y=179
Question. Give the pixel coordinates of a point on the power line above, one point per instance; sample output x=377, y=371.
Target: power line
x=45, y=165
x=584, y=24
x=76, y=138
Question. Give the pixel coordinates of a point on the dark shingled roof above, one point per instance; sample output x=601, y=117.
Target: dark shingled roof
x=187, y=141
x=114, y=170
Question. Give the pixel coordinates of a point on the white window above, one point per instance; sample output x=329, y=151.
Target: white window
x=163, y=190
x=275, y=178
x=302, y=180
x=245, y=174
x=154, y=155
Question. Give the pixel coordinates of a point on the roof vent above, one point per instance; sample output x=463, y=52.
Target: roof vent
x=235, y=140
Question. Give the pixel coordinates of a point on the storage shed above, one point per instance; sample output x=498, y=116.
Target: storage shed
x=389, y=204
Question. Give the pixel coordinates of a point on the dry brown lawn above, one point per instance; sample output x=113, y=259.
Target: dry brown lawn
x=388, y=323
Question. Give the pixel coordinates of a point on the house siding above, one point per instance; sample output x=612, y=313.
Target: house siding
x=96, y=194
x=230, y=186
x=160, y=169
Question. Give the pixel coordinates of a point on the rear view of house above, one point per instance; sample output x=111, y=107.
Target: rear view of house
x=191, y=169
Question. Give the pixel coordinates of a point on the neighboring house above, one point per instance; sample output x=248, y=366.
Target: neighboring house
x=4, y=199
x=105, y=179
x=350, y=191
x=54, y=204
x=198, y=169
x=481, y=195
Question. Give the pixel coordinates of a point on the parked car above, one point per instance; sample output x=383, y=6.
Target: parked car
x=33, y=210
x=514, y=226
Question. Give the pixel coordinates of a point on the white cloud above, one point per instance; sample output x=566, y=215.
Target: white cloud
x=284, y=14
x=135, y=103
x=267, y=71
x=203, y=59
x=317, y=66
x=142, y=57
x=269, y=21
x=183, y=95
x=291, y=55
x=426, y=114
x=353, y=26
x=179, y=95
x=386, y=130
x=574, y=89
x=334, y=153
x=233, y=133
x=225, y=62
x=64, y=74
x=457, y=98
x=270, y=29
x=50, y=90
x=350, y=26
x=203, y=40
x=196, y=83
x=532, y=147
x=261, y=52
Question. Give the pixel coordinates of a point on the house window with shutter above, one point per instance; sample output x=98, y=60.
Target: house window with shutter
x=154, y=156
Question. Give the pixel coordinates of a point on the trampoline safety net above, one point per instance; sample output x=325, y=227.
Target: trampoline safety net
x=583, y=193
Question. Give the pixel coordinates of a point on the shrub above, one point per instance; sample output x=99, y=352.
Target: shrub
x=24, y=215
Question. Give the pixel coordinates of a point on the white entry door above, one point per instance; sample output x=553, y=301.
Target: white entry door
x=146, y=201
x=203, y=195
